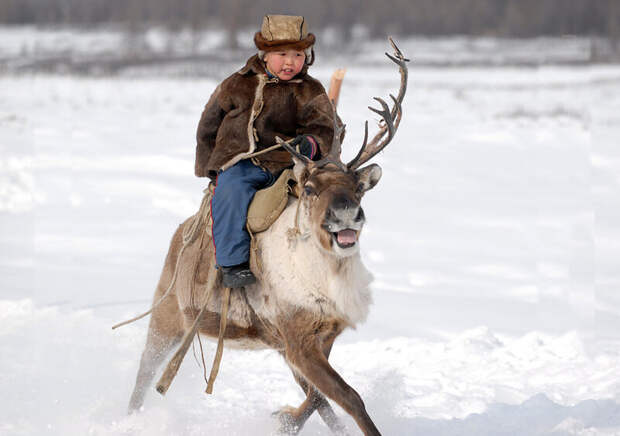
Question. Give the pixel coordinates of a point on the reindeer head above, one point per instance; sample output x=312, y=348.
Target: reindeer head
x=330, y=192
x=330, y=200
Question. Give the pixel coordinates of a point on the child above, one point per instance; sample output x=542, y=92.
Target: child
x=271, y=96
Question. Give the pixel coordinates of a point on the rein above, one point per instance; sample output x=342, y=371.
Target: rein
x=279, y=143
x=189, y=235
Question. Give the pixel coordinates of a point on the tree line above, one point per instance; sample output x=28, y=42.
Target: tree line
x=514, y=18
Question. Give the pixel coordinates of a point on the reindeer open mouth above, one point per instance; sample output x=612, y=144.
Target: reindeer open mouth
x=345, y=238
x=344, y=221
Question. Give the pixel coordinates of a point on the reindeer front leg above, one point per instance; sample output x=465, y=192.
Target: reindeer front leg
x=304, y=353
x=293, y=419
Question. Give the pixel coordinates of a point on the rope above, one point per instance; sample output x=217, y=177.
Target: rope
x=267, y=150
x=220, y=341
x=189, y=235
x=174, y=363
x=173, y=366
x=294, y=232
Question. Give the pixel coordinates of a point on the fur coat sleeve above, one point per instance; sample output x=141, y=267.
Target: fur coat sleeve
x=316, y=118
x=210, y=121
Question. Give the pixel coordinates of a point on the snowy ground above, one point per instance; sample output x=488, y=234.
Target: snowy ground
x=493, y=236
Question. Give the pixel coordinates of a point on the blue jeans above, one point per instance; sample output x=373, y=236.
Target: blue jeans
x=234, y=191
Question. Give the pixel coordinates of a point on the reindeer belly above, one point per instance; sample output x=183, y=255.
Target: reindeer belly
x=255, y=336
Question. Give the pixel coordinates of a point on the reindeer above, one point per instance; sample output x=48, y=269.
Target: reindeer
x=311, y=281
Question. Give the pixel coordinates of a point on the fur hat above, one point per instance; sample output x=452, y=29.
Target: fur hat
x=283, y=32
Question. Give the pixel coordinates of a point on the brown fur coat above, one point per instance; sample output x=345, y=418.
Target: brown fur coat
x=236, y=121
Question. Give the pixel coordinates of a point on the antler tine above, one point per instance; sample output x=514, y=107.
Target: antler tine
x=397, y=111
x=399, y=60
x=359, y=153
x=390, y=117
x=336, y=149
x=397, y=52
x=367, y=152
x=386, y=114
x=334, y=152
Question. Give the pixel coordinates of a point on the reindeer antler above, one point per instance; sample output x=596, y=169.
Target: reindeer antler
x=390, y=118
x=334, y=152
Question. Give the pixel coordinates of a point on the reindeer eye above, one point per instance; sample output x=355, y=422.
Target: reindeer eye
x=309, y=190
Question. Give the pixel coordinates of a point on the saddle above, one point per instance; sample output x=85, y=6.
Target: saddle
x=268, y=203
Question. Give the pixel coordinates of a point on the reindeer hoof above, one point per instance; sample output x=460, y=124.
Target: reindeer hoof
x=132, y=409
x=288, y=422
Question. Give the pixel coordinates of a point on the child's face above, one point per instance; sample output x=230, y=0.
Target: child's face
x=285, y=64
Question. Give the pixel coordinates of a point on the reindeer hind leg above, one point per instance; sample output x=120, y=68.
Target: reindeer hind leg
x=165, y=332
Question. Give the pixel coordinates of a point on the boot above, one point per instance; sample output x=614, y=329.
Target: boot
x=237, y=276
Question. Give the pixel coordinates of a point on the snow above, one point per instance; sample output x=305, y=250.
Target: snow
x=75, y=376
x=493, y=236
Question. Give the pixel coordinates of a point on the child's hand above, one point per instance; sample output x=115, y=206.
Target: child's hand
x=306, y=145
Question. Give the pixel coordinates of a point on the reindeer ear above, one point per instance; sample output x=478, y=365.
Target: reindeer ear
x=368, y=177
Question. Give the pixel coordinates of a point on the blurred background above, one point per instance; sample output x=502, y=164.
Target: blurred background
x=117, y=34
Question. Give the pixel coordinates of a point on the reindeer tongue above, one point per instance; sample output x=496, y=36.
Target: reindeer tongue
x=346, y=237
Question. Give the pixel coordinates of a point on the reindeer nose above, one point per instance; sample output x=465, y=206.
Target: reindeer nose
x=360, y=215
x=343, y=202
x=344, y=211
